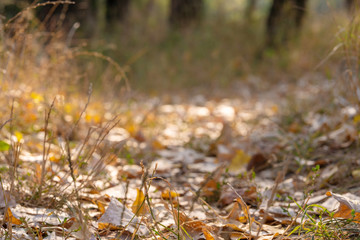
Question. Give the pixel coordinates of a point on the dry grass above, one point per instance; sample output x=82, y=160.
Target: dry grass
x=46, y=85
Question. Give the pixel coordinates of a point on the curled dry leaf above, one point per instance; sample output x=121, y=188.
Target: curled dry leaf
x=349, y=209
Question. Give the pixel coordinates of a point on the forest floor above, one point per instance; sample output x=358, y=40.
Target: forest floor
x=260, y=161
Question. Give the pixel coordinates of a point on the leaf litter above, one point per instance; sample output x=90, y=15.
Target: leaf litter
x=209, y=169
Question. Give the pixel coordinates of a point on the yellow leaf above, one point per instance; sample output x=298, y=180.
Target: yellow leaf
x=233, y=226
x=356, y=119
x=30, y=117
x=38, y=172
x=37, y=97
x=207, y=234
x=54, y=157
x=100, y=207
x=68, y=108
x=102, y=226
x=132, y=129
x=138, y=207
x=275, y=109
x=9, y=217
x=18, y=136
x=169, y=194
x=239, y=160
x=88, y=118
x=94, y=191
x=157, y=145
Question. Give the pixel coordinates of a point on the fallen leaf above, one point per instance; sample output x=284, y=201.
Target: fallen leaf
x=100, y=207
x=38, y=173
x=18, y=136
x=237, y=214
x=169, y=194
x=119, y=215
x=157, y=145
x=239, y=160
x=349, y=209
x=10, y=218
x=108, y=226
x=139, y=207
x=193, y=228
x=257, y=162
x=207, y=234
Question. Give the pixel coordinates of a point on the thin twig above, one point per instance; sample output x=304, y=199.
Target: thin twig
x=243, y=202
x=109, y=60
x=278, y=180
x=4, y=123
x=36, y=6
x=45, y=152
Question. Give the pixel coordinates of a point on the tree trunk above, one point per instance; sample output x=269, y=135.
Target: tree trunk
x=352, y=5
x=284, y=21
x=116, y=10
x=185, y=12
x=250, y=9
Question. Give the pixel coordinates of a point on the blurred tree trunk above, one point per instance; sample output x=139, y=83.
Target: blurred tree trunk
x=352, y=5
x=185, y=12
x=284, y=21
x=116, y=10
x=250, y=9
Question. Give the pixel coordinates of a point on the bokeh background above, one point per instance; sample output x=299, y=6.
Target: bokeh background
x=159, y=46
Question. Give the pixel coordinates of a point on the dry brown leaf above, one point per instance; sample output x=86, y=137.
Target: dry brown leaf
x=257, y=162
x=245, y=208
x=157, y=145
x=294, y=127
x=349, y=209
x=109, y=226
x=210, y=188
x=194, y=228
x=54, y=157
x=93, y=191
x=207, y=234
x=38, y=173
x=67, y=224
x=10, y=218
x=100, y=207
x=238, y=235
x=236, y=214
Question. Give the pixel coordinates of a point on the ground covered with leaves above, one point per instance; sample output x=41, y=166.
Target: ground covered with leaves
x=280, y=164
x=260, y=159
